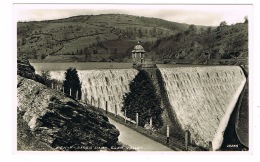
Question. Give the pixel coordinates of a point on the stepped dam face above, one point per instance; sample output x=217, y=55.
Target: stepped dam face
x=200, y=98
x=101, y=87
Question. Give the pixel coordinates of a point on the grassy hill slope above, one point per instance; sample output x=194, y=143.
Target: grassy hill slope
x=89, y=37
x=111, y=37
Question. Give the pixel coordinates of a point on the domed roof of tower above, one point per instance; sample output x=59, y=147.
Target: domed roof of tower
x=138, y=48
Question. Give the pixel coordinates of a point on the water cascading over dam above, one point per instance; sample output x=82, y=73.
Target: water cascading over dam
x=101, y=86
x=203, y=98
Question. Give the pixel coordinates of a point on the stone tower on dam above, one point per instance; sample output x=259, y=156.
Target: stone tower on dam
x=140, y=59
x=138, y=54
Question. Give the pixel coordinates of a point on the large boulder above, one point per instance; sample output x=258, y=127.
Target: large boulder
x=25, y=69
x=54, y=121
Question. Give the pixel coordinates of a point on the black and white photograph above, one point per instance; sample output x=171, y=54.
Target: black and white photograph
x=132, y=77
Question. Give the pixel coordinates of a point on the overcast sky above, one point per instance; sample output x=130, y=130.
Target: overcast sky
x=208, y=15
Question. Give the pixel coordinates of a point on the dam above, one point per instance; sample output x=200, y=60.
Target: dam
x=201, y=99
x=197, y=99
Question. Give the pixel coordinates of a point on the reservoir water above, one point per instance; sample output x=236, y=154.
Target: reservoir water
x=96, y=65
x=81, y=65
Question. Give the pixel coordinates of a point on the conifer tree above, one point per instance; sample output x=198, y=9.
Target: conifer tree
x=142, y=99
x=72, y=82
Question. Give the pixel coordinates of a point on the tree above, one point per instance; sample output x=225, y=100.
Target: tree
x=140, y=33
x=95, y=51
x=223, y=23
x=246, y=19
x=87, y=53
x=209, y=30
x=192, y=29
x=80, y=51
x=72, y=82
x=130, y=32
x=178, y=36
x=142, y=99
x=43, y=56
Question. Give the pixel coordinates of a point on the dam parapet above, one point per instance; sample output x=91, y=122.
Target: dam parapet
x=144, y=66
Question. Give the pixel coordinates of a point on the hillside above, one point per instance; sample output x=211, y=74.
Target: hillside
x=111, y=37
x=90, y=37
x=221, y=45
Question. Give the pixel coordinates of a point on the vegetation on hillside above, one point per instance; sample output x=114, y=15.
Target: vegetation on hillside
x=88, y=38
x=202, y=46
x=111, y=37
x=142, y=99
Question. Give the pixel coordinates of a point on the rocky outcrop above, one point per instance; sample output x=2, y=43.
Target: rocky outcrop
x=54, y=121
x=25, y=69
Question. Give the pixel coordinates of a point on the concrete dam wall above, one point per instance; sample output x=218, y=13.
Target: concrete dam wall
x=200, y=98
x=101, y=86
x=203, y=98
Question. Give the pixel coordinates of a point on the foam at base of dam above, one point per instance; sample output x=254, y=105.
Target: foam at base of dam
x=203, y=99
x=101, y=86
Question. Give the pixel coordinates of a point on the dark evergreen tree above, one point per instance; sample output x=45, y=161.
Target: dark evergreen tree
x=142, y=99
x=72, y=82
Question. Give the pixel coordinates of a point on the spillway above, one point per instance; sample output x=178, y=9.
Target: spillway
x=203, y=98
x=103, y=87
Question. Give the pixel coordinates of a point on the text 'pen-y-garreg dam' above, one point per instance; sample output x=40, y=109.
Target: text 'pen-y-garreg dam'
x=199, y=99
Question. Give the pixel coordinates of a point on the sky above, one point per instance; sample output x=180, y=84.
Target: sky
x=208, y=15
